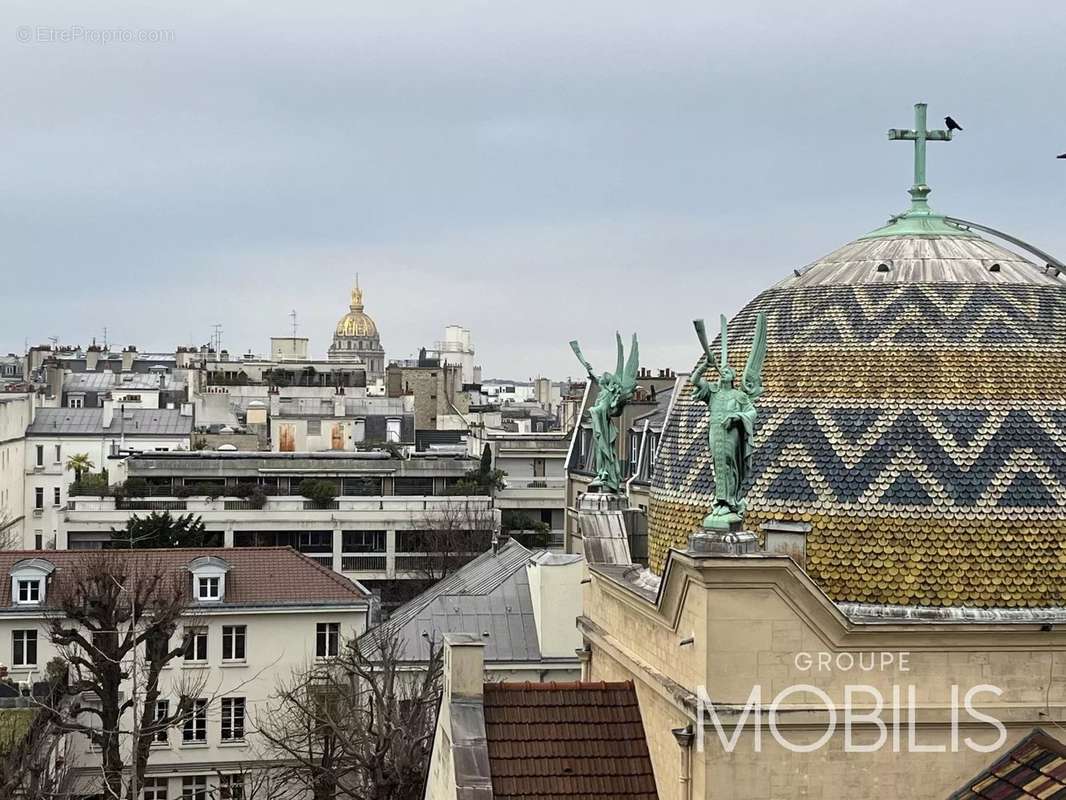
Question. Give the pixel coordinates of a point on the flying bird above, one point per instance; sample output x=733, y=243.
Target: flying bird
x=952, y=124
x=1062, y=156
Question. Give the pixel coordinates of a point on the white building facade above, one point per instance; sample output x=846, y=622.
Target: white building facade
x=16, y=414
x=254, y=617
x=56, y=434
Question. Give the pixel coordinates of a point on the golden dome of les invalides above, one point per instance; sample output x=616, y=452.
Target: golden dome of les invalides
x=356, y=322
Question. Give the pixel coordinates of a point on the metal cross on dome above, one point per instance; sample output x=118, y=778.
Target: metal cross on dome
x=919, y=192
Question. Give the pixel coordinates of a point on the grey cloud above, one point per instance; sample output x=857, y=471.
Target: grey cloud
x=483, y=163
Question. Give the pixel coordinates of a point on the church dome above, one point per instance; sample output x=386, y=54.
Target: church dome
x=914, y=416
x=356, y=323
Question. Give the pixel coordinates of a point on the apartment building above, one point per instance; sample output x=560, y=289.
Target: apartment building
x=255, y=615
x=16, y=414
x=56, y=434
x=535, y=481
x=375, y=531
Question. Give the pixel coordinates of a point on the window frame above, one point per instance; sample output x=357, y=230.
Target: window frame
x=328, y=639
x=194, y=787
x=209, y=582
x=156, y=788
x=197, y=641
x=231, y=787
x=162, y=711
x=32, y=587
x=231, y=722
x=21, y=641
x=232, y=635
x=194, y=730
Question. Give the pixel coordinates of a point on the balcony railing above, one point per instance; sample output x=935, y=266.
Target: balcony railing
x=282, y=504
x=241, y=505
x=526, y=482
x=150, y=505
x=325, y=561
x=363, y=563
x=419, y=563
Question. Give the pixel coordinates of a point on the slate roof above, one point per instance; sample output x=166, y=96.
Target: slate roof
x=258, y=576
x=488, y=595
x=90, y=422
x=566, y=741
x=915, y=417
x=1034, y=768
x=106, y=380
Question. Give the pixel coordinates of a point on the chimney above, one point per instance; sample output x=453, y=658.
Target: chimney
x=53, y=375
x=127, y=358
x=464, y=666
x=338, y=405
x=92, y=358
x=556, y=594
x=787, y=538
x=109, y=411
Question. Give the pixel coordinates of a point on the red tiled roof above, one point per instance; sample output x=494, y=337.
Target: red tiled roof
x=566, y=740
x=257, y=575
x=1034, y=768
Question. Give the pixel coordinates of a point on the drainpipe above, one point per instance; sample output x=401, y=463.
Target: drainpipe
x=640, y=457
x=685, y=737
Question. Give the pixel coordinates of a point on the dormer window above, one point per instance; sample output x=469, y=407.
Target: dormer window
x=29, y=581
x=209, y=579
x=208, y=589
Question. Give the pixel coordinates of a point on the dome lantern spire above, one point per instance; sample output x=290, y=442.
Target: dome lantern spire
x=357, y=296
x=919, y=192
x=919, y=219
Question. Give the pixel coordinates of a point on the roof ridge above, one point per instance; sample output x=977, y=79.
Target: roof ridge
x=452, y=586
x=550, y=686
x=336, y=577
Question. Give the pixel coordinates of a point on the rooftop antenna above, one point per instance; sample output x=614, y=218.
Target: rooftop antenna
x=105, y=339
x=216, y=338
x=295, y=324
x=55, y=342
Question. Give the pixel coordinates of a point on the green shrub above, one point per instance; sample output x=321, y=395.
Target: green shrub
x=134, y=487
x=319, y=492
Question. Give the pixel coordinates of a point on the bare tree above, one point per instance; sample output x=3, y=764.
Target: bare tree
x=359, y=727
x=31, y=746
x=112, y=621
x=450, y=535
x=10, y=539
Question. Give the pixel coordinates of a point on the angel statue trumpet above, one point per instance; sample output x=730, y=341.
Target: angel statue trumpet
x=731, y=420
x=616, y=389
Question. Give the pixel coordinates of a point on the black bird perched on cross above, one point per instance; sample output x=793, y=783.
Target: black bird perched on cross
x=952, y=124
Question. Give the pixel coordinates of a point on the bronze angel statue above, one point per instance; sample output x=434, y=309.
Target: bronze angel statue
x=616, y=389
x=731, y=420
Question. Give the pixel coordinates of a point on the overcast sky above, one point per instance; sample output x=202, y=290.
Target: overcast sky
x=536, y=171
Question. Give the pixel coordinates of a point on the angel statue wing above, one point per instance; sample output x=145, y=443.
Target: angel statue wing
x=627, y=375
x=751, y=380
